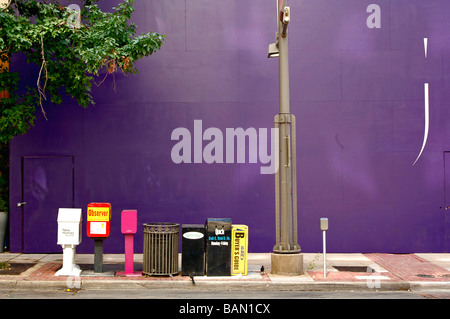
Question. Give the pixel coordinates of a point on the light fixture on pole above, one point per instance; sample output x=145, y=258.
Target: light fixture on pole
x=273, y=51
x=286, y=259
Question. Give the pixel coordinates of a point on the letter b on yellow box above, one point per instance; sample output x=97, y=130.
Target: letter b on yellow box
x=239, y=249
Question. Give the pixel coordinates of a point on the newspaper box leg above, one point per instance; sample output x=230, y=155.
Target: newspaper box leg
x=129, y=256
x=129, y=268
x=69, y=268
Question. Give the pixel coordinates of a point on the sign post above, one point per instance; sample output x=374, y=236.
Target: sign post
x=324, y=228
x=98, y=228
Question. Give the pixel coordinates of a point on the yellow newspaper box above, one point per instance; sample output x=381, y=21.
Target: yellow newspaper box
x=239, y=249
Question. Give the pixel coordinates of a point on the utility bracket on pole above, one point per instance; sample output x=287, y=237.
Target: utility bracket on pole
x=283, y=118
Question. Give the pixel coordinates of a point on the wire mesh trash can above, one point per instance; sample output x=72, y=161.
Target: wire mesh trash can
x=160, y=255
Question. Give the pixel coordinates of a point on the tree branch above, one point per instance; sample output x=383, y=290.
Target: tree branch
x=43, y=67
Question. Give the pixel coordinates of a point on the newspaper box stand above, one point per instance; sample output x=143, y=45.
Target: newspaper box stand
x=193, y=250
x=128, y=228
x=98, y=228
x=239, y=250
x=98, y=220
x=69, y=236
x=218, y=247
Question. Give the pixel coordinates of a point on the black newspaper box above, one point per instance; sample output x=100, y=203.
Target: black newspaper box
x=218, y=246
x=193, y=250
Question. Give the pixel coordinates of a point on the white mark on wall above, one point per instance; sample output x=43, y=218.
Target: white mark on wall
x=425, y=45
x=427, y=120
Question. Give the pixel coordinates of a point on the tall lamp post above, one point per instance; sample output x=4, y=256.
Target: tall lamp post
x=286, y=258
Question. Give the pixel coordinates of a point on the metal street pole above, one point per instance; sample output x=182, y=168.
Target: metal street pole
x=286, y=175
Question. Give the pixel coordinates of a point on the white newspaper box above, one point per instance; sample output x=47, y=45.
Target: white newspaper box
x=69, y=236
x=69, y=226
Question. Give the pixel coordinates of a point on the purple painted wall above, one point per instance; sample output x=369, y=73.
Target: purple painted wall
x=357, y=93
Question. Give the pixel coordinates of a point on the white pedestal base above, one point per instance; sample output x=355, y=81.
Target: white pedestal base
x=69, y=268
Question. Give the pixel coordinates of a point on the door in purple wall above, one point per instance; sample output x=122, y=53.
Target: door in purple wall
x=47, y=186
x=447, y=203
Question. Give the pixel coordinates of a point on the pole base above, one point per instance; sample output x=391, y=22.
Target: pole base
x=287, y=264
x=74, y=270
x=128, y=274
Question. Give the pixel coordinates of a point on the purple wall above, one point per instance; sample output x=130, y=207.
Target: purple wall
x=357, y=93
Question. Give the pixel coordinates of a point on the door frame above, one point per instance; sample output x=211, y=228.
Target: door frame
x=22, y=185
x=446, y=207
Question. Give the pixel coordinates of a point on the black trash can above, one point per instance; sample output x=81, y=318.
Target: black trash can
x=193, y=249
x=160, y=255
x=218, y=246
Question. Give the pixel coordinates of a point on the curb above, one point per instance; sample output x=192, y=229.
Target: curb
x=430, y=285
x=223, y=285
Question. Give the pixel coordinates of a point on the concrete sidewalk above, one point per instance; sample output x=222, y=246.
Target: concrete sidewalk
x=377, y=271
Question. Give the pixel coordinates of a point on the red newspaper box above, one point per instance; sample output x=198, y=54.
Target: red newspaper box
x=98, y=220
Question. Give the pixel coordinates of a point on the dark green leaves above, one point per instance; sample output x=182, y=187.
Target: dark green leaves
x=69, y=56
